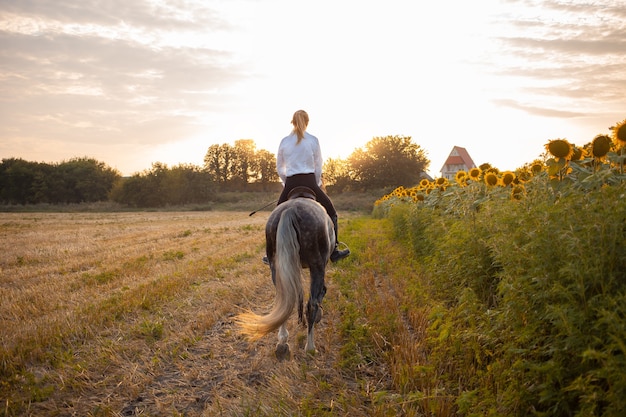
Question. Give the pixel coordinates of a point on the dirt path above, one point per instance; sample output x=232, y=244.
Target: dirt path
x=222, y=374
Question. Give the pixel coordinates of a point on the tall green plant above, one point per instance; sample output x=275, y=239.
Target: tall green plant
x=532, y=319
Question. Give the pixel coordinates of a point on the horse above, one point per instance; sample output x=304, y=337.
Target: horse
x=299, y=234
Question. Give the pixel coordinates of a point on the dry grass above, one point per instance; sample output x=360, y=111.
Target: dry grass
x=119, y=314
x=94, y=305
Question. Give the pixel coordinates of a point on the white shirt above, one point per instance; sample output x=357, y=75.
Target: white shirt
x=299, y=158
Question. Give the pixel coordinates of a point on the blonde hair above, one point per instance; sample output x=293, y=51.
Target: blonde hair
x=300, y=121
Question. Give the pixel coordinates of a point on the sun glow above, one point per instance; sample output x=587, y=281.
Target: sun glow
x=494, y=77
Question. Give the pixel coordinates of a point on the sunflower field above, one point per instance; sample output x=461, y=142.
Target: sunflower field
x=526, y=279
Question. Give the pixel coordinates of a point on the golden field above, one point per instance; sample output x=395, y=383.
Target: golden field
x=132, y=314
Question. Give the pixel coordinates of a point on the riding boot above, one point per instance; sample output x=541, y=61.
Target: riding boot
x=337, y=254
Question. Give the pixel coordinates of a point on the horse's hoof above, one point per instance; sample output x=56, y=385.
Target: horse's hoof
x=282, y=352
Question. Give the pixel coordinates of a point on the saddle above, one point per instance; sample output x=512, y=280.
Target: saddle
x=301, y=192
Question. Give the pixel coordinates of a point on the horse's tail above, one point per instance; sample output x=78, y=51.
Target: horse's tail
x=288, y=281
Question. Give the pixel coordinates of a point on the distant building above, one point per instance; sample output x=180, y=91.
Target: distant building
x=458, y=160
x=424, y=175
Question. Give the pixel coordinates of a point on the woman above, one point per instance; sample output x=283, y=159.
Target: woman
x=299, y=163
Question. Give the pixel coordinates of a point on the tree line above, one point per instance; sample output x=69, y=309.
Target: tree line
x=75, y=181
x=382, y=162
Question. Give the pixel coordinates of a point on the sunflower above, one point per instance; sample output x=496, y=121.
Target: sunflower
x=418, y=197
x=560, y=148
x=507, y=177
x=517, y=192
x=536, y=167
x=424, y=183
x=579, y=153
x=491, y=179
x=600, y=146
x=461, y=178
x=441, y=181
x=475, y=174
x=522, y=175
x=619, y=133
x=399, y=191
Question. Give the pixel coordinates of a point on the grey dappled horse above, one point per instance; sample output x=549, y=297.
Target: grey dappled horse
x=299, y=234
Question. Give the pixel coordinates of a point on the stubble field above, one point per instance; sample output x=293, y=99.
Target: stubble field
x=123, y=314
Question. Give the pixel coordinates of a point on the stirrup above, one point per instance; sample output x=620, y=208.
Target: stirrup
x=265, y=260
x=337, y=254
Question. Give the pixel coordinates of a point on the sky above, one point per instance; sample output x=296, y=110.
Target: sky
x=134, y=82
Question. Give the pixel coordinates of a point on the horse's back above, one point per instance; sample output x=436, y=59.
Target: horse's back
x=312, y=214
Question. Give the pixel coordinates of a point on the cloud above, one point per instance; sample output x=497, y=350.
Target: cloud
x=566, y=29
x=571, y=55
x=173, y=15
x=610, y=44
x=92, y=87
x=537, y=111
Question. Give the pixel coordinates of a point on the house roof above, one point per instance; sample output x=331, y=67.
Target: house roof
x=458, y=156
x=455, y=160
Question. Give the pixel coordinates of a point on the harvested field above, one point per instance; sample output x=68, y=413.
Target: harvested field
x=122, y=314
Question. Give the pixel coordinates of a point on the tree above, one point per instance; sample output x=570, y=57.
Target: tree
x=75, y=181
x=243, y=165
x=229, y=160
x=219, y=161
x=17, y=180
x=151, y=191
x=185, y=183
x=161, y=186
x=234, y=167
x=213, y=163
x=129, y=191
x=336, y=174
x=86, y=180
x=388, y=161
x=265, y=162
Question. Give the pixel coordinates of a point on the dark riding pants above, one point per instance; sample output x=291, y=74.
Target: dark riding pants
x=308, y=180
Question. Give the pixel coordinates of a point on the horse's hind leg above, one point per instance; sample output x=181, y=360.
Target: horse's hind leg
x=283, y=334
x=314, y=305
x=282, y=348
